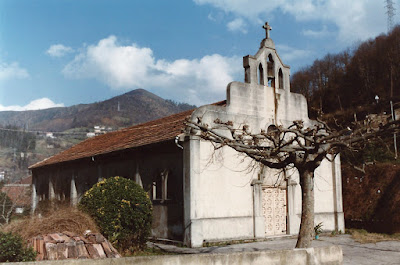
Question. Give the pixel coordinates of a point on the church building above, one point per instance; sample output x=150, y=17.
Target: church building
x=200, y=194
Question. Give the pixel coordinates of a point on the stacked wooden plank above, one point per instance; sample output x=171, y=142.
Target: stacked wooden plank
x=66, y=245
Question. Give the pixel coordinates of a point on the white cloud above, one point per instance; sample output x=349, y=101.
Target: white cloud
x=316, y=33
x=355, y=20
x=42, y=103
x=292, y=54
x=237, y=24
x=58, y=50
x=216, y=16
x=12, y=71
x=246, y=8
x=211, y=17
x=195, y=81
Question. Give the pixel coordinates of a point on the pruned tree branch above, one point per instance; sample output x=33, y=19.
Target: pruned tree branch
x=296, y=145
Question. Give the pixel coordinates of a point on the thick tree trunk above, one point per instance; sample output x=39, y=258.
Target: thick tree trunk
x=306, y=232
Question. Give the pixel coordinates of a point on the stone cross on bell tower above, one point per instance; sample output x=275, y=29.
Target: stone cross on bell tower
x=267, y=28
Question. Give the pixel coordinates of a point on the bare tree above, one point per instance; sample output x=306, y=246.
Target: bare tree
x=6, y=208
x=295, y=146
x=8, y=205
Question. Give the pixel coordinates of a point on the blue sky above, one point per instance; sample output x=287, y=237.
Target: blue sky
x=64, y=52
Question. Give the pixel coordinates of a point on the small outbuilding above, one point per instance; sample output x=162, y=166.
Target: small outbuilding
x=201, y=194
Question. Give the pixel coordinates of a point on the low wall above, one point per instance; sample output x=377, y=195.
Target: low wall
x=331, y=255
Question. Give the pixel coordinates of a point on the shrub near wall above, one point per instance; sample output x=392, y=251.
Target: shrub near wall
x=13, y=249
x=122, y=210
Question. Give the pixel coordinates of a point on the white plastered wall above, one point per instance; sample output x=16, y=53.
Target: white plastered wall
x=224, y=193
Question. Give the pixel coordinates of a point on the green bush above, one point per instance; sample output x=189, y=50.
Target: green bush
x=122, y=210
x=12, y=249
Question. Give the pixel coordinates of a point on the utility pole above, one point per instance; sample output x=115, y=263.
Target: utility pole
x=390, y=12
x=391, y=109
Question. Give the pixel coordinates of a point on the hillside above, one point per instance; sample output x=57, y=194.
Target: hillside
x=19, y=148
x=135, y=107
x=371, y=200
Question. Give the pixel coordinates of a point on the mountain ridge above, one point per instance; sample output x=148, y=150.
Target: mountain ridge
x=134, y=107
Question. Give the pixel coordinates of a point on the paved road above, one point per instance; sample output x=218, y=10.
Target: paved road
x=387, y=252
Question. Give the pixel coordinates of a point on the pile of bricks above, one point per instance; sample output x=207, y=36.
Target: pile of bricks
x=68, y=245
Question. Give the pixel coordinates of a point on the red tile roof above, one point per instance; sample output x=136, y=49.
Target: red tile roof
x=19, y=194
x=27, y=180
x=156, y=131
x=151, y=132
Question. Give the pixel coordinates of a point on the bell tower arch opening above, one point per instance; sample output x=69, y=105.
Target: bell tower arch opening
x=270, y=71
x=260, y=74
x=280, y=78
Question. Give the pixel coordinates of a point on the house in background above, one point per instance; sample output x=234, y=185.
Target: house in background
x=2, y=175
x=20, y=195
x=200, y=194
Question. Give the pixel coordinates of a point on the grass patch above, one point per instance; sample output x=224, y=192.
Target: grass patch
x=364, y=237
x=147, y=252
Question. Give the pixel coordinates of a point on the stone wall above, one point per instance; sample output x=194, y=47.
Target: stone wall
x=331, y=255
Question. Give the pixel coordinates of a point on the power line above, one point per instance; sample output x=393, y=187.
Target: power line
x=42, y=132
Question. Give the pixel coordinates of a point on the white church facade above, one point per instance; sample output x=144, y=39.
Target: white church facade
x=230, y=198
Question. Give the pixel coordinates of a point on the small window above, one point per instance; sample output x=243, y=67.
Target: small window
x=160, y=186
x=19, y=210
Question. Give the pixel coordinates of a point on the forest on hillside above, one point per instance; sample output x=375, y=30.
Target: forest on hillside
x=352, y=77
x=344, y=88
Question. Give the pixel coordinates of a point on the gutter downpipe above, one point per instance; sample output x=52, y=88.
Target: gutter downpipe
x=177, y=142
